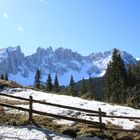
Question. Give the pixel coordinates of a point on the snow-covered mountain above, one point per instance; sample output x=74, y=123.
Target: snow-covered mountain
x=63, y=62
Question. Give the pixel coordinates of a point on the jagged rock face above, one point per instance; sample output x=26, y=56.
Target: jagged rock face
x=102, y=59
x=12, y=60
x=63, y=62
x=128, y=59
x=59, y=61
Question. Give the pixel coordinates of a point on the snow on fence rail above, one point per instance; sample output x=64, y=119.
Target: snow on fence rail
x=93, y=124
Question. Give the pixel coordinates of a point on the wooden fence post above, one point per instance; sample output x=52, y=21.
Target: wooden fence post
x=2, y=110
x=30, y=110
x=100, y=120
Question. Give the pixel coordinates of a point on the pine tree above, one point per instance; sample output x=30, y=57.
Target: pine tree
x=2, y=76
x=108, y=81
x=116, y=77
x=83, y=88
x=91, y=89
x=136, y=73
x=72, y=86
x=6, y=77
x=37, y=82
x=49, y=85
x=56, y=87
x=130, y=77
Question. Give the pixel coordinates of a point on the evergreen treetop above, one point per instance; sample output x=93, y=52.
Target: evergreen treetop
x=2, y=76
x=72, y=86
x=38, y=79
x=49, y=85
x=83, y=88
x=116, y=78
x=6, y=77
x=56, y=87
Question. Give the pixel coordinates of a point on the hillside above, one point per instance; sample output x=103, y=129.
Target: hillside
x=98, y=84
x=77, y=102
x=10, y=84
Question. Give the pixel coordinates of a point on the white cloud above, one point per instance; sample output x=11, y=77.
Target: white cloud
x=5, y=15
x=44, y=1
x=20, y=29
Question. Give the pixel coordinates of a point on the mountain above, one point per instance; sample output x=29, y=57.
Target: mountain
x=63, y=62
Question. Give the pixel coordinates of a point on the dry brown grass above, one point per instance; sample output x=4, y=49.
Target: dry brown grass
x=13, y=102
x=117, y=135
x=138, y=126
x=124, y=135
x=11, y=84
x=110, y=125
x=87, y=131
x=13, y=119
x=78, y=129
x=47, y=122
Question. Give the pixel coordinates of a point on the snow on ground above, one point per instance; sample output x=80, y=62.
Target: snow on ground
x=28, y=133
x=33, y=133
x=80, y=103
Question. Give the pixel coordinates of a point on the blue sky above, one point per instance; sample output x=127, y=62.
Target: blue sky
x=84, y=26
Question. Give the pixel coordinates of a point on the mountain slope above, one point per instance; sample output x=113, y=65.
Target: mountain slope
x=63, y=62
x=110, y=109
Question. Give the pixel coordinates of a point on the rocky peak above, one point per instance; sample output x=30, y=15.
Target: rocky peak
x=49, y=50
x=67, y=55
x=99, y=55
x=128, y=58
x=43, y=51
x=13, y=49
x=13, y=57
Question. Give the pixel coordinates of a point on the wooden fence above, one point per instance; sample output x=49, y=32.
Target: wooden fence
x=31, y=111
x=100, y=114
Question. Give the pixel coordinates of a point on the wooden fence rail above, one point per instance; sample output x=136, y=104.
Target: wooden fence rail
x=98, y=113
x=31, y=111
x=55, y=105
x=117, y=117
x=95, y=124
x=15, y=97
